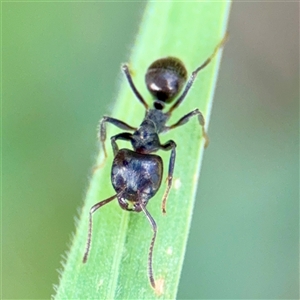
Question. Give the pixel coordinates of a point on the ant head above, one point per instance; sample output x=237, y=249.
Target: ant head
x=165, y=78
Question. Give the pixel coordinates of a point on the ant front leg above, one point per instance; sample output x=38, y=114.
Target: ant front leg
x=124, y=136
x=185, y=119
x=102, y=134
x=170, y=145
x=118, y=123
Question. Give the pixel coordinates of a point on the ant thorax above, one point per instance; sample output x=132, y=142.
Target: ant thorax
x=158, y=117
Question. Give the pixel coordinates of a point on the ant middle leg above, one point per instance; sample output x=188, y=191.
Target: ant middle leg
x=186, y=118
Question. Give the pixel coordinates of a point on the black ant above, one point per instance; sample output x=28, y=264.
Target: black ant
x=136, y=175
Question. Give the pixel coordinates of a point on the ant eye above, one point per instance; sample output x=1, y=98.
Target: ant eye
x=165, y=78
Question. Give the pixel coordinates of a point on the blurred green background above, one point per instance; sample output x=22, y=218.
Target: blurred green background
x=61, y=71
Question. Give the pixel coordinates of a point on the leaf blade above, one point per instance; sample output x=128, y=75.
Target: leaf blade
x=117, y=266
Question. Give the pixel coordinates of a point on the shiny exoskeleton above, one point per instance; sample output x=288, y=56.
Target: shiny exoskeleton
x=136, y=174
x=137, y=177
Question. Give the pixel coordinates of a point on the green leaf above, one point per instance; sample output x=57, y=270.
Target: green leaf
x=118, y=260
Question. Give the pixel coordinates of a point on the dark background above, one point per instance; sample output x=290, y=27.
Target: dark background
x=61, y=64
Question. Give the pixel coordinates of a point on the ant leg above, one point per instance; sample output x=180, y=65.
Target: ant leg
x=186, y=118
x=125, y=69
x=194, y=74
x=102, y=134
x=118, y=123
x=170, y=145
x=154, y=228
x=124, y=136
x=92, y=210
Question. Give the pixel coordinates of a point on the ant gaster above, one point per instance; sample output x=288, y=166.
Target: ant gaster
x=136, y=175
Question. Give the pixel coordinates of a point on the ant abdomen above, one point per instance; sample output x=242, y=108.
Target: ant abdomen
x=165, y=78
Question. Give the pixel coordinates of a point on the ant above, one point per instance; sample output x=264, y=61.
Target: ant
x=136, y=175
